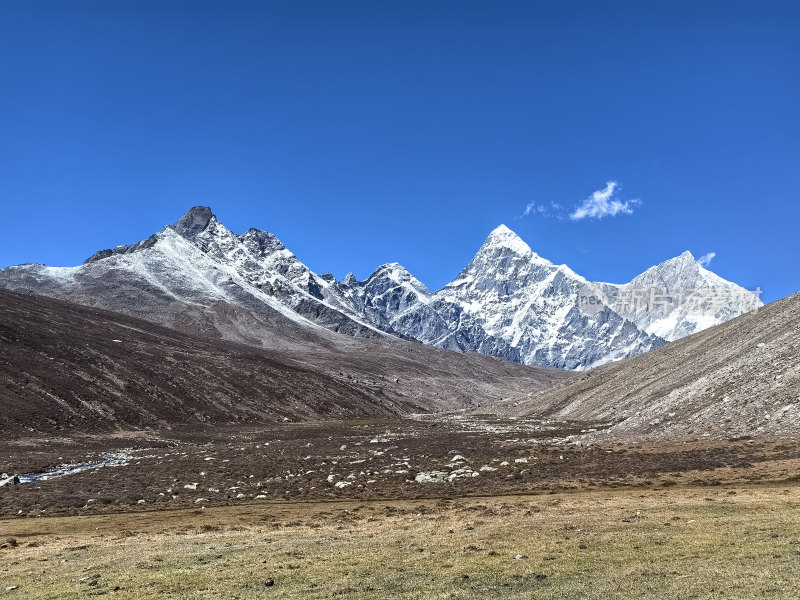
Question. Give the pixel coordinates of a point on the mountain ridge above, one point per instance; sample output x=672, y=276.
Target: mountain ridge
x=508, y=301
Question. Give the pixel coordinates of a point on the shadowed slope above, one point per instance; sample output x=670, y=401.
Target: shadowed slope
x=738, y=378
x=73, y=368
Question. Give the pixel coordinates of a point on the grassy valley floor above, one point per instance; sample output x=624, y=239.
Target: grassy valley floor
x=740, y=541
x=461, y=508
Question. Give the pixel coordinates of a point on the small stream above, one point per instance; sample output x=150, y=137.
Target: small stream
x=106, y=459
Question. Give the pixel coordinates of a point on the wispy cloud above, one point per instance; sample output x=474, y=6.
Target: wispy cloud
x=604, y=203
x=704, y=260
x=534, y=208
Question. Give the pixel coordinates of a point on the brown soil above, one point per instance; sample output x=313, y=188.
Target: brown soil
x=68, y=368
x=370, y=460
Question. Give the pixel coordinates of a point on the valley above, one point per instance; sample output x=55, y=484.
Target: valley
x=365, y=460
x=199, y=415
x=365, y=508
x=399, y=300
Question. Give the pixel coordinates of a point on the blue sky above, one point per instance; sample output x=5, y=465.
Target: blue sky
x=367, y=132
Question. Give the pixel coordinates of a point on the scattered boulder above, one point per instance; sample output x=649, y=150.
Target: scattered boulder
x=7, y=479
x=431, y=477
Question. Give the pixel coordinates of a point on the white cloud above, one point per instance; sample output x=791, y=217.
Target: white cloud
x=704, y=260
x=604, y=203
x=534, y=208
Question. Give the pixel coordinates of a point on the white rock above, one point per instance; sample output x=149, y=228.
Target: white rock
x=431, y=477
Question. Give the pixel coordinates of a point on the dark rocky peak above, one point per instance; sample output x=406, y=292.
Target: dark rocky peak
x=194, y=221
x=261, y=242
x=143, y=245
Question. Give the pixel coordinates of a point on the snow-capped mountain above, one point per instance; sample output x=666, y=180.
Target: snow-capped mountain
x=508, y=302
x=511, y=303
x=679, y=297
x=531, y=304
x=198, y=276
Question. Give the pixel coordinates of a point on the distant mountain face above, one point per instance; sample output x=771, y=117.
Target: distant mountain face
x=512, y=303
x=198, y=276
x=741, y=378
x=508, y=302
x=679, y=297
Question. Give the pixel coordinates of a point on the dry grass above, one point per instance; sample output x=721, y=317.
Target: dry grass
x=680, y=542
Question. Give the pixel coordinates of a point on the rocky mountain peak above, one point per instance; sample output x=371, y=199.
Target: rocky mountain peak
x=262, y=242
x=502, y=237
x=394, y=270
x=194, y=221
x=682, y=269
x=397, y=274
x=685, y=260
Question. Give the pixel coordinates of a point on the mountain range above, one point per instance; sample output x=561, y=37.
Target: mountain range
x=508, y=302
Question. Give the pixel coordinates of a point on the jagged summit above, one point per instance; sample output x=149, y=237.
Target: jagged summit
x=395, y=269
x=397, y=274
x=263, y=242
x=194, y=221
x=683, y=268
x=683, y=261
x=679, y=297
x=501, y=230
x=392, y=266
x=503, y=237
